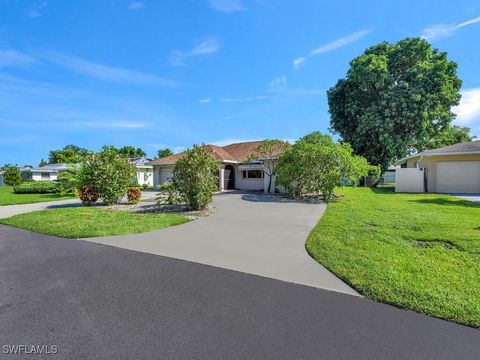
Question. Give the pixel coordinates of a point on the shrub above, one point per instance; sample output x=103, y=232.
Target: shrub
x=68, y=180
x=167, y=194
x=38, y=187
x=134, y=194
x=88, y=195
x=316, y=165
x=195, y=177
x=12, y=176
x=108, y=173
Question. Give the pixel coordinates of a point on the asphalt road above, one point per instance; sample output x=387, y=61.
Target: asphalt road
x=94, y=301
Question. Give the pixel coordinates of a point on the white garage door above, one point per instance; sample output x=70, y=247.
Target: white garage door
x=458, y=176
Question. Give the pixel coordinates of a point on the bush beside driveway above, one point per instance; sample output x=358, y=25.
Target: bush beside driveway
x=415, y=251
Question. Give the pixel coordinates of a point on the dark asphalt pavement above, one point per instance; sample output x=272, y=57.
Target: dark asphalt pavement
x=100, y=302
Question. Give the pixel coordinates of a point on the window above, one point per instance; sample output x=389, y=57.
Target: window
x=45, y=176
x=252, y=174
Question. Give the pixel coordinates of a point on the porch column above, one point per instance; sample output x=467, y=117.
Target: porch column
x=221, y=178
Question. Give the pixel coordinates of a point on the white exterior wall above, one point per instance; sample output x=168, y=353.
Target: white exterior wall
x=161, y=175
x=410, y=180
x=141, y=176
x=37, y=176
x=1, y=180
x=246, y=184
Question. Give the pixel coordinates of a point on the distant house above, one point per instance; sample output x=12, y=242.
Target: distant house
x=144, y=170
x=22, y=169
x=48, y=172
x=449, y=169
x=236, y=172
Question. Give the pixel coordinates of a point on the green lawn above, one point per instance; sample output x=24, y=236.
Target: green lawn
x=8, y=197
x=82, y=222
x=415, y=251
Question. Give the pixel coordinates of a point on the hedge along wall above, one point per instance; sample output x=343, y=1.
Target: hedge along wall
x=38, y=187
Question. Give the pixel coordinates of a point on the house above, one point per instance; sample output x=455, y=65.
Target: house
x=22, y=171
x=449, y=169
x=144, y=170
x=48, y=172
x=236, y=172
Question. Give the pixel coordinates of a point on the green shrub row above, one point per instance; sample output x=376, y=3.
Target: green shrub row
x=38, y=187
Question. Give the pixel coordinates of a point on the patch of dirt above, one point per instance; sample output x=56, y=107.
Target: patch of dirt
x=421, y=244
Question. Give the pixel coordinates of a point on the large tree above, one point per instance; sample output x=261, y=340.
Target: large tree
x=452, y=134
x=395, y=97
x=70, y=154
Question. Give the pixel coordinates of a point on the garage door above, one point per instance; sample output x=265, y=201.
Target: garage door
x=458, y=176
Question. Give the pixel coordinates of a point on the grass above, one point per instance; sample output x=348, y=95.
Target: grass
x=415, y=251
x=8, y=197
x=82, y=222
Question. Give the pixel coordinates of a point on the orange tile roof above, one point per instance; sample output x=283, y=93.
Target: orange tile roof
x=234, y=152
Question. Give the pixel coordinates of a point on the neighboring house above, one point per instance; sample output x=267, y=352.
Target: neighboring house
x=235, y=170
x=449, y=169
x=144, y=170
x=48, y=172
x=22, y=170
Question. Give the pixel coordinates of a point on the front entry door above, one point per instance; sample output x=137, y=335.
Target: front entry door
x=229, y=178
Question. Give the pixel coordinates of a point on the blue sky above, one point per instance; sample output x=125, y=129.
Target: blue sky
x=160, y=74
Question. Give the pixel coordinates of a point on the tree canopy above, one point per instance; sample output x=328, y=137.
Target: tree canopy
x=12, y=175
x=70, y=154
x=316, y=164
x=129, y=151
x=395, y=97
x=452, y=134
x=164, y=153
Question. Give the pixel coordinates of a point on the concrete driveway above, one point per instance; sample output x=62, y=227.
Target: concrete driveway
x=252, y=233
x=469, y=197
x=101, y=302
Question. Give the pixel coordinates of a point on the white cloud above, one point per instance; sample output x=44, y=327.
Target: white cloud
x=136, y=5
x=104, y=72
x=344, y=41
x=14, y=58
x=36, y=10
x=279, y=83
x=204, y=101
x=206, y=47
x=115, y=124
x=469, y=108
x=298, y=62
x=442, y=30
x=227, y=5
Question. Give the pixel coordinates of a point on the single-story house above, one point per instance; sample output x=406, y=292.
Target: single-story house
x=49, y=172
x=236, y=172
x=22, y=169
x=144, y=170
x=449, y=169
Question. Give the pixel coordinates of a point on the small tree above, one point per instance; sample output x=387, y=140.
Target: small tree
x=164, y=153
x=195, y=177
x=12, y=175
x=316, y=165
x=108, y=173
x=267, y=152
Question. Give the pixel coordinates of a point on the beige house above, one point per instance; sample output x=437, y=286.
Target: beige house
x=144, y=170
x=449, y=169
x=236, y=172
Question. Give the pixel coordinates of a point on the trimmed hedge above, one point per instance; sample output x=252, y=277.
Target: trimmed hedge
x=38, y=187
